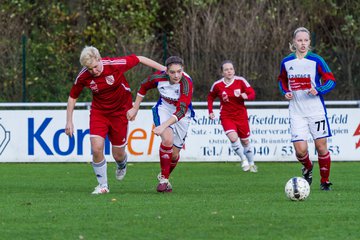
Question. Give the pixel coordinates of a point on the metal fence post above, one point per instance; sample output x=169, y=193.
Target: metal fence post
x=23, y=68
x=164, y=47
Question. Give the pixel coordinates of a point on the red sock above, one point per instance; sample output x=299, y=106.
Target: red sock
x=165, y=154
x=173, y=164
x=305, y=161
x=324, y=165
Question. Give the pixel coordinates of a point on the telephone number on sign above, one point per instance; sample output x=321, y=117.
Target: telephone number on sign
x=290, y=150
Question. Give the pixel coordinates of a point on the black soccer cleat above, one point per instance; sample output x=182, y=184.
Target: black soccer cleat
x=307, y=174
x=325, y=186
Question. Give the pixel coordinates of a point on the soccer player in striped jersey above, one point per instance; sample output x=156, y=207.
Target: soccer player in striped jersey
x=111, y=100
x=304, y=79
x=172, y=114
x=233, y=91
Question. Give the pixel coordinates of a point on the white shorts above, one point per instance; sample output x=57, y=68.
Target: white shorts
x=162, y=112
x=301, y=127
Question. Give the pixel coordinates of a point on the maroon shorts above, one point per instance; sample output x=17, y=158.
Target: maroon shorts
x=114, y=126
x=241, y=127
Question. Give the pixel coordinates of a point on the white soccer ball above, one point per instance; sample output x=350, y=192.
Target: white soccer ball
x=297, y=189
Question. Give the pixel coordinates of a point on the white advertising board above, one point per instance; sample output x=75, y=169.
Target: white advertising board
x=38, y=136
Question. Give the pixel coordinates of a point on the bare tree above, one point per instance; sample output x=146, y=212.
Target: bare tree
x=341, y=29
x=12, y=28
x=254, y=35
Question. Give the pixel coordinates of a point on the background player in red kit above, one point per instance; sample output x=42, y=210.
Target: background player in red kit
x=111, y=100
x=232, y=92
x=172, y=114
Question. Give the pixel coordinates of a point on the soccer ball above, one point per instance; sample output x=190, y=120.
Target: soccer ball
x=297, y=189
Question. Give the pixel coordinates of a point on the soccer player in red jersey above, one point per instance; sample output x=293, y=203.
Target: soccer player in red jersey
x=172, y=114
x=303, y=80
x=233, y=91
x=111, y=100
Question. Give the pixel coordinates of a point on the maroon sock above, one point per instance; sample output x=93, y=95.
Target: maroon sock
x=305, y=161
x=324, y=165
x=173, y=164
x=165, y=154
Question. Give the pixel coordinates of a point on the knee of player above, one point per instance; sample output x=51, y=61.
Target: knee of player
x=300, y=153
x=119, y=157
x=245, y=142
x=167, y=141
x=322, y=150
x=97, y=150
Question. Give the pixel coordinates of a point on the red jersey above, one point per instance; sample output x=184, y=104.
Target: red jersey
x=111, y=91
x=176, y=96
x=231, y=101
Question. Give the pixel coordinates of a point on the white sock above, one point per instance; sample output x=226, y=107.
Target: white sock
x=249, y=154
x=238, y=149
x=100, y=170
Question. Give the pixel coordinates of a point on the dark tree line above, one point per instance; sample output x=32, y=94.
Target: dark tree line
x=253, y=34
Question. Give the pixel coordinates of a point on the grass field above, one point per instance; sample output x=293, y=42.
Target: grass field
x=209, y=201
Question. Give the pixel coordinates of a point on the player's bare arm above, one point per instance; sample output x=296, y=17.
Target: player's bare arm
x=131, y=114
x=151, y=63
x=161, y=128
x=69, y=128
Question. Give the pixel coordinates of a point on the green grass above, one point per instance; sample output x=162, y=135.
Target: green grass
x=209, y=201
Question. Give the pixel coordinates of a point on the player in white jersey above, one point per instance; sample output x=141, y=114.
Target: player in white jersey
x=171, y=114
x=304, y=79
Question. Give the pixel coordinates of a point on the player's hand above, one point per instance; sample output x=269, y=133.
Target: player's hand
x=312, y=91
x=244, y=96
x=131, y=114
x=289, y=95
x=211, y=115
x=158, y=130
x=69, y=129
